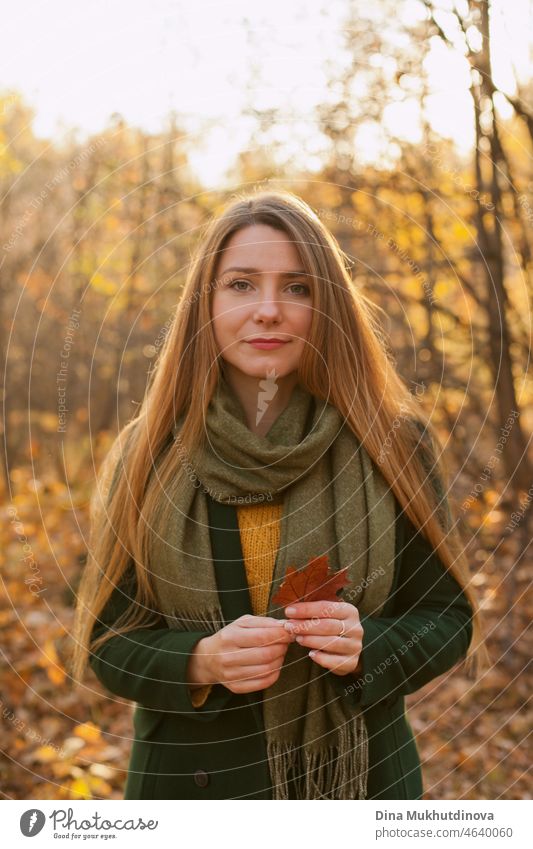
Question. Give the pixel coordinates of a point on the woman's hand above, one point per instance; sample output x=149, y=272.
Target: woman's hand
x=317, y=625
x=244, y=656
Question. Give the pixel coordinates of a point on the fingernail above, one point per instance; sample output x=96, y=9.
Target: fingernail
x=290, y=611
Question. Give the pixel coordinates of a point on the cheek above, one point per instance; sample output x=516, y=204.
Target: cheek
x=223, y=318
x=301, y=321
x=227, y=323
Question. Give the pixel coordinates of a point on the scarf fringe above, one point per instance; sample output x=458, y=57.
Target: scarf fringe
x=338, y=772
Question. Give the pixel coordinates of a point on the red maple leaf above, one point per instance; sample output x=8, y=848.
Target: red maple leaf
x=315, y=582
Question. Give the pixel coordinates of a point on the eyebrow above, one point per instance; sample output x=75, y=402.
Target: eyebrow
x=299, y=271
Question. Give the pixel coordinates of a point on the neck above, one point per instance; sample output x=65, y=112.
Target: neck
x=262, y=399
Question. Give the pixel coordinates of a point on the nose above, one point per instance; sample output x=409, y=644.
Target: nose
x=268, y=307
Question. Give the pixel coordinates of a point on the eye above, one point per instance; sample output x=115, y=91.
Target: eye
x=306, y=289
x=234, y=283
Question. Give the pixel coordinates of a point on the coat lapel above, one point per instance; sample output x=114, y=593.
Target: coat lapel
x=230, y=572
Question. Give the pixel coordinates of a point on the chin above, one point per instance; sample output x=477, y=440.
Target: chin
x=261, y=369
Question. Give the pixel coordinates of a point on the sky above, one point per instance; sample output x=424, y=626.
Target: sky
x=77, y=63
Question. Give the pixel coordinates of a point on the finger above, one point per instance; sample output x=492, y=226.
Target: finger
x=249, y=637
x=233, y=663
x=320, y=609
x=334, y=662
x=254, y=655
x=246, y=673
x=335, y=645
x=324, y=627
x=253, y=685
x=251, y=621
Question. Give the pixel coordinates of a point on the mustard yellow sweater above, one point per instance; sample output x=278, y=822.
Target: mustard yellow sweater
x=259, y=526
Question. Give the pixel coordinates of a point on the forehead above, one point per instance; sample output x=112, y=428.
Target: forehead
x=261, y=247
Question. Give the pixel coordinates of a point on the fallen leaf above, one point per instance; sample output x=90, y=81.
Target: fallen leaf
x=315, y=582
x=45, y=754
x=88, y=731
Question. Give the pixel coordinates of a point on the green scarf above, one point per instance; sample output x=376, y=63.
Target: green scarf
x=335, y=502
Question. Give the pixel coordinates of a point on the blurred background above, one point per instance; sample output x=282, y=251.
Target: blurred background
x=408, y=127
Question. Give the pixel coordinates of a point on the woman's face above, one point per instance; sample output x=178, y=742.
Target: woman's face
x=262, y=291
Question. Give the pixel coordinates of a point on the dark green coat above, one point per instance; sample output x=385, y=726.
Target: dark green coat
x=218, y=751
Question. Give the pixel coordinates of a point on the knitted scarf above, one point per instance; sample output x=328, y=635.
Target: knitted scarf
x=335, y=502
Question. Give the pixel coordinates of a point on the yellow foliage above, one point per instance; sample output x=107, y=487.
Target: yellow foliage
x=80, y=788
x=88, y=732
x=103, y=285
x=50, y=661
x=45, y=754
x=88, y=786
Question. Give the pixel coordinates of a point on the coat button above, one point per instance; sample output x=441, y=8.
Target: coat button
x=201, y=778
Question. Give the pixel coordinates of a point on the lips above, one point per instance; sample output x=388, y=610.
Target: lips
x=266, y=339
x=266, y=344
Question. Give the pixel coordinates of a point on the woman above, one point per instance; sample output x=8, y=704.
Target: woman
x=275, y=430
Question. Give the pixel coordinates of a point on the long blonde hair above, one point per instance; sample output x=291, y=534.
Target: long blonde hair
x=353, y=371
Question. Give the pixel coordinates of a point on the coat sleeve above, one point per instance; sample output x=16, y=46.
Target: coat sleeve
x=149, y=665
x=425, y=630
